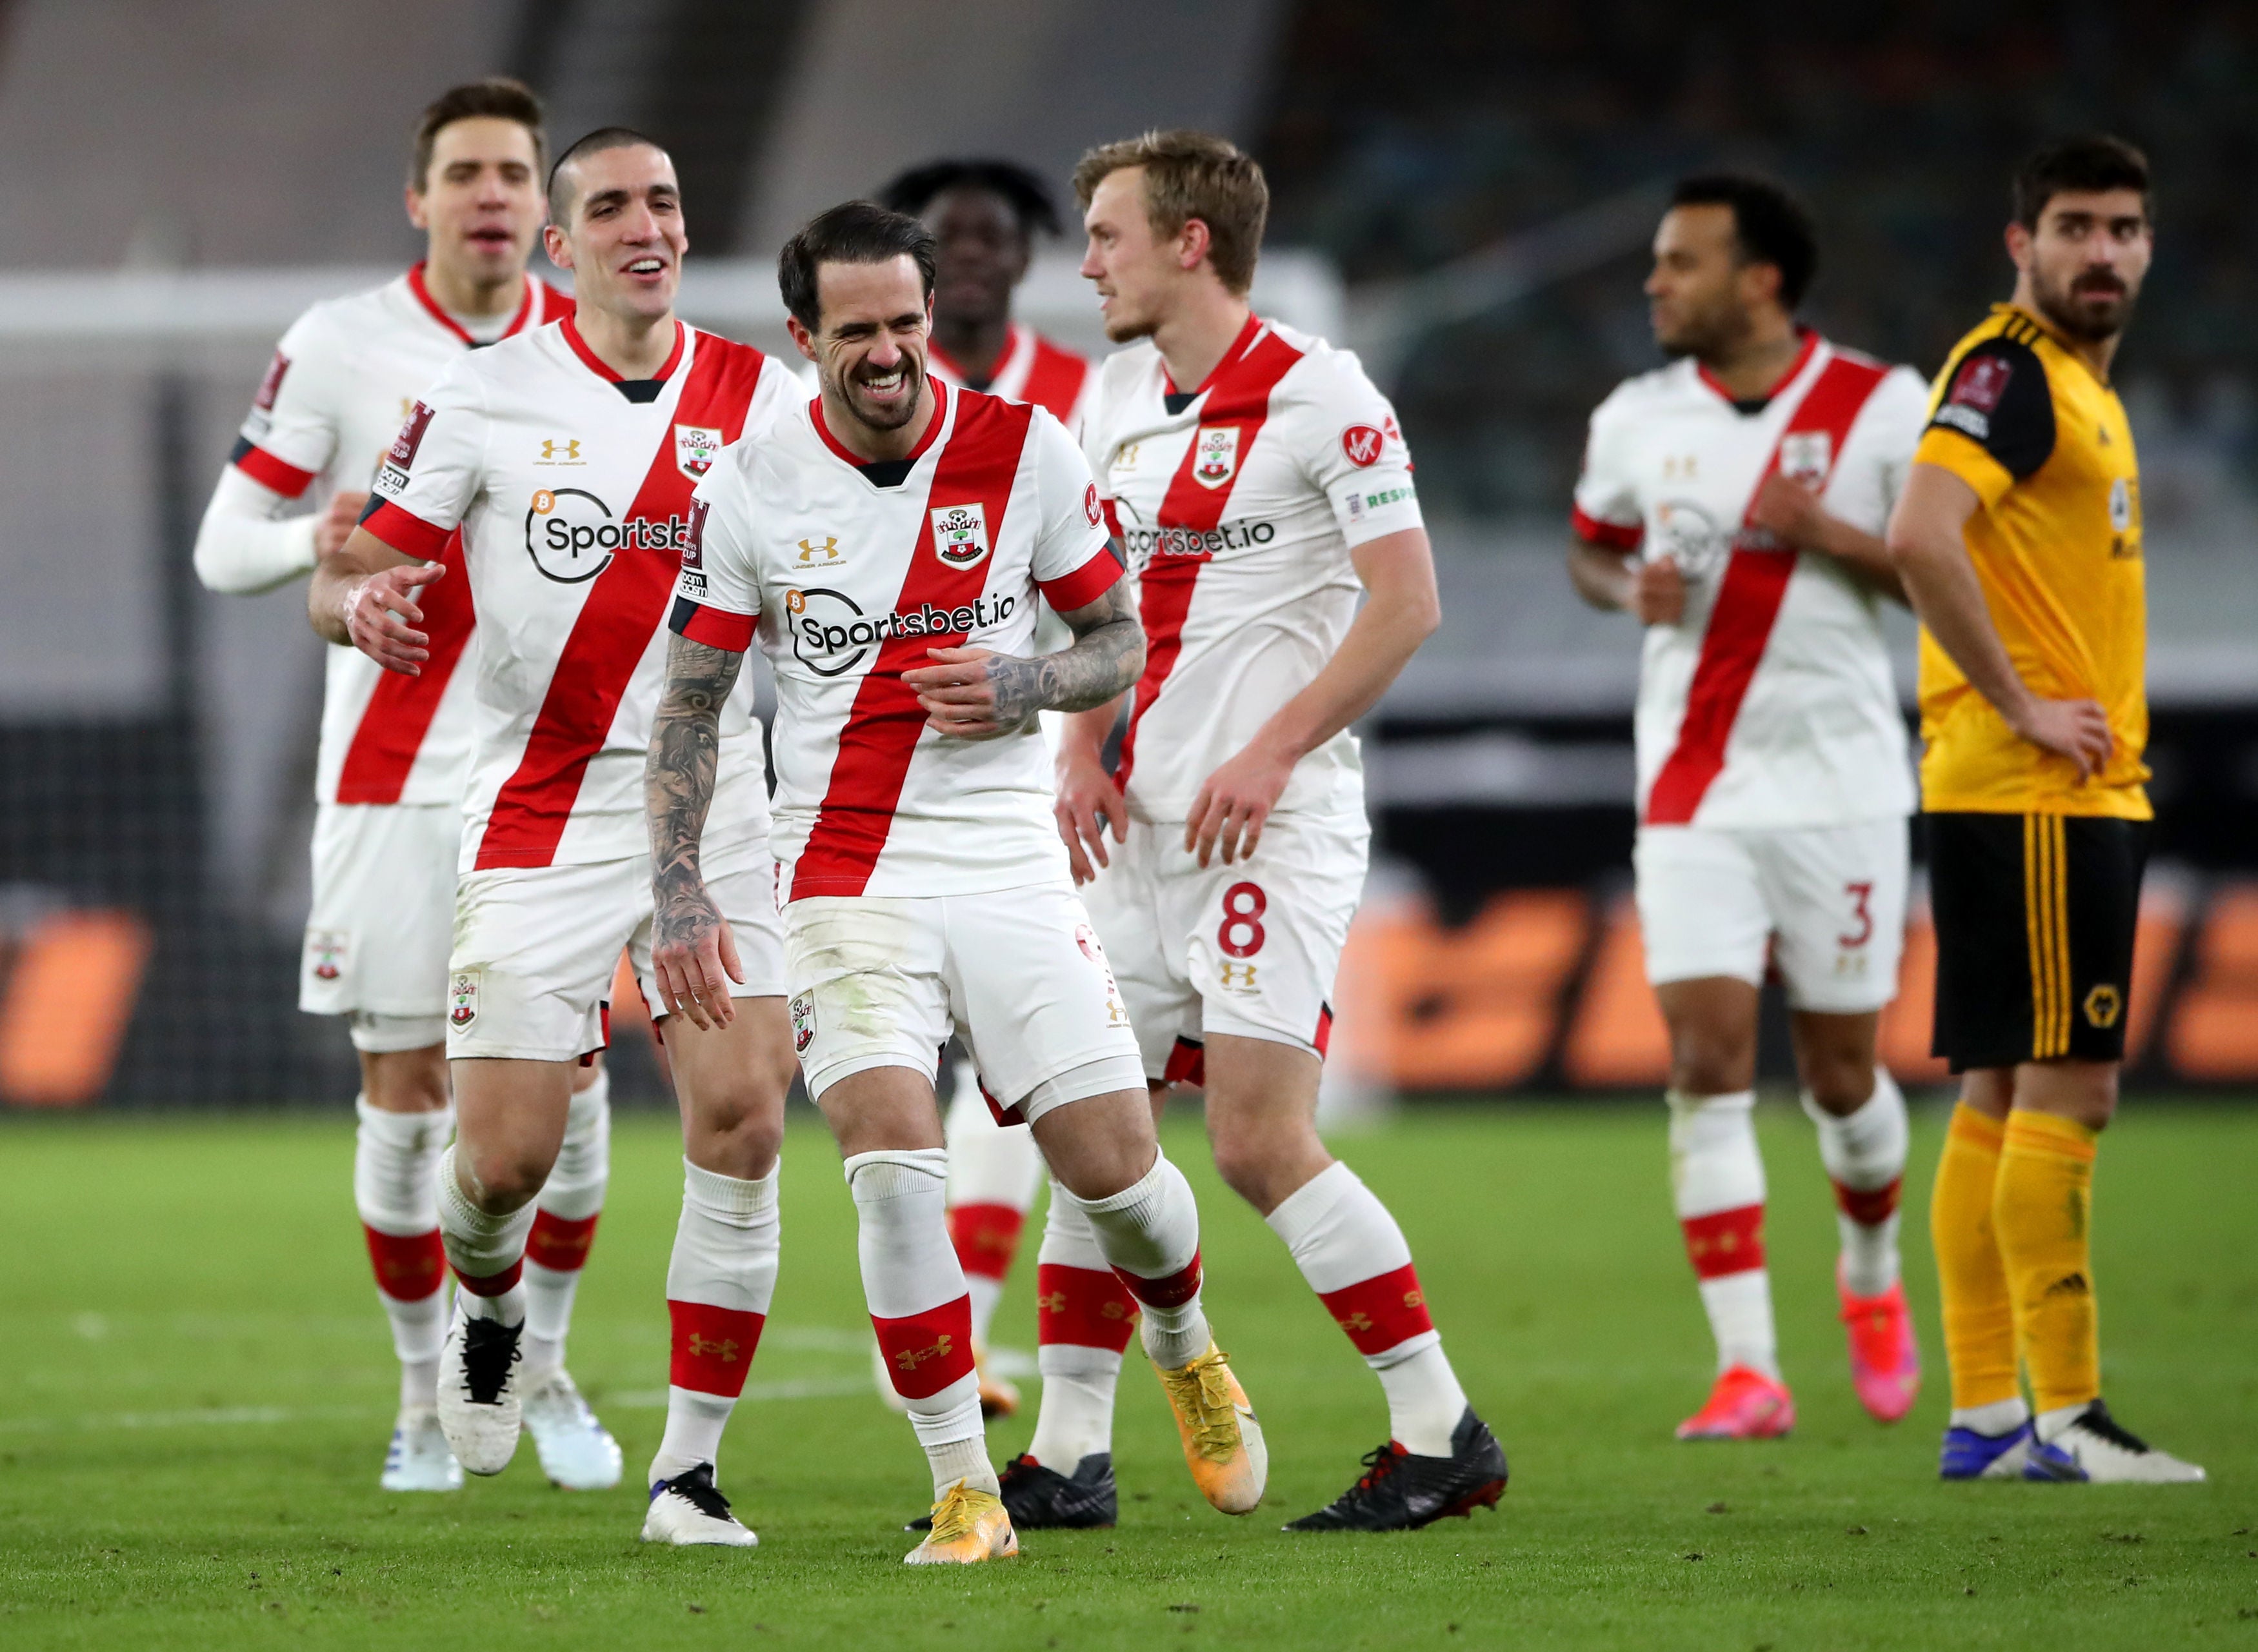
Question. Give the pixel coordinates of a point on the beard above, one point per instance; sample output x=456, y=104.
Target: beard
x=879, y=415
x=2087, y=307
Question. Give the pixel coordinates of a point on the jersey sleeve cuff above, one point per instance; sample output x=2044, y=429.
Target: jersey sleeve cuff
x=1085, y=585
x=403, y=530
x=262, y=467
x=1967, y=458
x=1615, y=535
x=713, y=627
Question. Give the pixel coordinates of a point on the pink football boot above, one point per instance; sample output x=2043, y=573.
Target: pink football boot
x=1745, y=1405
x=1885, y=1362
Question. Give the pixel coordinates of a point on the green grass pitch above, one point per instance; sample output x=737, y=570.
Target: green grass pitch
x=196, y=1391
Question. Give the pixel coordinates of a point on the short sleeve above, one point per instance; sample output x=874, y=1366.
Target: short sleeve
x=1607, y=510
x=433, y=469
x=291, y=432
x=1992, y=424
x=1355, y=454
x=717, y=597
x=1871, y=472
x=1074, y=559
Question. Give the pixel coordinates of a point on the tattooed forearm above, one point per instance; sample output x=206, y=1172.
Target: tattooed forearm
x=686, y=741
x=1107, y=655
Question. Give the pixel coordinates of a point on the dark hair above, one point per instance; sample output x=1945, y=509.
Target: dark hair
x=1771, y=224
x=497, y=97
x=2085, y=164
x=560, y=200
x=1190, y=175
x=853, y=232
x=1018, y=188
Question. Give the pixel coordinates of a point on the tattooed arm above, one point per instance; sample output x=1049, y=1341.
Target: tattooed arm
x=691, y=947
x=977, y=695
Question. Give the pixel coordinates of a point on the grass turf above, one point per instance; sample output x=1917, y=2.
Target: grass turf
x=197, y=1391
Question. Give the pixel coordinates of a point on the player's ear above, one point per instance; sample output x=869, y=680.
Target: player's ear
x=804, y=339
x=417, y=215
x=2019, y=245
x=1194, y=243
x=559, y=249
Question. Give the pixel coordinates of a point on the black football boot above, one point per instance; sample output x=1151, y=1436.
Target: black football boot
x=1401, y=1492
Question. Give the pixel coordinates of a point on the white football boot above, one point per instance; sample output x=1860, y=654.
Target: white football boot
x=576, y=1451
x=690, y=1510
x=2097, y=1448
x=419, y=1459
x=480, y=1407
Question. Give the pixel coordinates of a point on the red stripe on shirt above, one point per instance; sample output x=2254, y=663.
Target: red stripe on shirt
x=1054, y=380
x=382, y=752
x=625, y=606
x=978, y=460
x=406, y=532
x=1085, y=585
x=262, y=467
x=1748, y=604
x=1238, y=394
x=1615, y=536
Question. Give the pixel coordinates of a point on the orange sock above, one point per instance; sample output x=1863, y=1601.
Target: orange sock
x=1979, y=1322
x=2040, y=1212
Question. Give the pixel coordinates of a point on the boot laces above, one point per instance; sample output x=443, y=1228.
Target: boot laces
x=956, y=1515
x=1203, y=1392
x=489, y=1350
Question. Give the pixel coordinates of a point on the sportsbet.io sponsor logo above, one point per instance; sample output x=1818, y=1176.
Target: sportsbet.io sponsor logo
x=572, y=536
x=831, y=634
x=1193, y=542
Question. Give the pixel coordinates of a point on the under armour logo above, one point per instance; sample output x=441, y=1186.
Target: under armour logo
x=1053, y=1304
x=910, y=1361
x=724, y=1350
x=1245, y=977
x=569, y=449
x=1356, y=1322
x=813, y=551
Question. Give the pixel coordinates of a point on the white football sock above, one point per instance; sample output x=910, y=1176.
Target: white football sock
x=1080, y=1352
x=395, y=1157
x=720, y=1282
x=1355, y=1258
x=2001, y=1416
x=557, y=1248
x=1866, y=1155
x=2049, y=1424
x=1149, y=1231
x=1718, y=1178
x=482, y=1248
x=915, y=1292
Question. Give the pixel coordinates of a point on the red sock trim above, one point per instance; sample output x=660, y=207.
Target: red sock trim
x=1725, y=1241
x=559, y=1242
x=1869, y=1207
x=1380, y=1312
x=712, y=1347
x=492, y=1283
x=1173, y=1291
x=986, y=1238
x=1082, y=1307
x=926, y=1352
x=408, y=1269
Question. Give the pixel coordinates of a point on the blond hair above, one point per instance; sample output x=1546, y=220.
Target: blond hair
x=1190, y=175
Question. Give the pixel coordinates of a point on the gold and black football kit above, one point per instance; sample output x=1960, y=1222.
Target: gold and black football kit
x=2035, y=874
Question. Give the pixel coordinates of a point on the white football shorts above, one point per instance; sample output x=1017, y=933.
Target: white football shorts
x=536, y=948
x=1018, y=973
x=382, y=918
x=1824, y=905
x=1249, y=949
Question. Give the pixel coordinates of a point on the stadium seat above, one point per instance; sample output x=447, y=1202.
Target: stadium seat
x=1617, y=1038
x=1475, y=1008
x=2213, y=1036
x=68, y=1001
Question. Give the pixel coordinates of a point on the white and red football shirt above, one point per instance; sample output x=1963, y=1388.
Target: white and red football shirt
x=1238, y=504
x=1031, y=369
x=1770, y=704
x=571, y=487
x=849, y=572
x=345, y=374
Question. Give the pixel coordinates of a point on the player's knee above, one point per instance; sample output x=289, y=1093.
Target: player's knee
x=1711, y=1061
x=503, y=1176
x=1257, y=1162
x=406, y=1081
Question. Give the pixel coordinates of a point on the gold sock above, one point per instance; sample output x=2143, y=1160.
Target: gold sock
x=2040, y=1212
x=1979, y=1322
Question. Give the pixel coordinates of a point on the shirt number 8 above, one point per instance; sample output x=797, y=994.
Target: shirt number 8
x=1241, y=935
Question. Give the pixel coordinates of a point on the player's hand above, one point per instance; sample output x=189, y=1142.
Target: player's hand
x=1789, y=512
x=2074, y=729
x=1657, y=592
x=694, y=956
x=338, y=522
x=1088, y=802
x=1232, y=807
x=381, y=616
x=973, y=693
